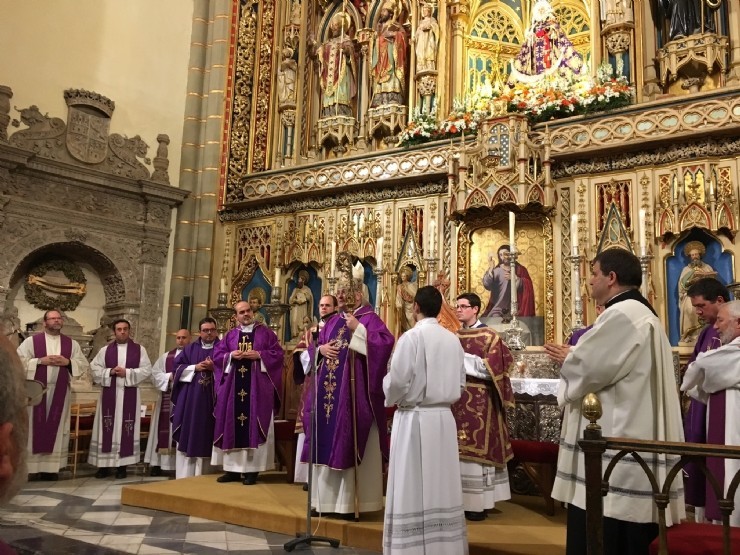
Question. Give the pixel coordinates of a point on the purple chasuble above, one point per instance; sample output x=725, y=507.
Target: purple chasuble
x=577, y=334
x=715, y=435
x=264, y=390
x=695, y=425
x=334, y=441
x=45, y=426
x=108, y=401
x=193, y=403
x=163, y=423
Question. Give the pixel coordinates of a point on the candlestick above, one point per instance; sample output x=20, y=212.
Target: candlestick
x=333, y=257
x=379, y=253
x=574, y=234
x=643, y=236
x=512, y=235
x=432, y=232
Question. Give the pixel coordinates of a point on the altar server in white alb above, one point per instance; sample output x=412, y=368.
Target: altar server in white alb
x=626, y=360
x=424, y=501
x=714, y=379
x=52, y=359
x=119, y=368
x=160, y=452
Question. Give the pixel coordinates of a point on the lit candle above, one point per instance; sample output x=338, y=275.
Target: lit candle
x=574, y=234
x=223, y=285
x=643, y=235
x=379, y=256
x=277, y=276
x=512, y=236
x=333, y=257
x=432, y=232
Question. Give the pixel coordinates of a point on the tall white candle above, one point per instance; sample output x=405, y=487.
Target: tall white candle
x=432, y=238
x=223, y=286
x=379, y=253
x=277, y=276
x=333, y=257
x=512, y=235
x=643, y=233
x=574, y=234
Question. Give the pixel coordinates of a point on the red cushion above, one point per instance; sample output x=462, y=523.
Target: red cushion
x=690, y=538
x=535, y=451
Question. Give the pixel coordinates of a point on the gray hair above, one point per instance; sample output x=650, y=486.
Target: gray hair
x=732, y=308
x=13, y=411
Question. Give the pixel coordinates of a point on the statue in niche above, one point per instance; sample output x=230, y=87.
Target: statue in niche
x=405, y=293
x=338, y=68
x=301, y=305
x=615, y=12
x=286, y=78
x=695, y=270
x=685, y=17
x=256, y=299
x=427, y=40
x=295, y=13
x=388, y=56
x=546, y=49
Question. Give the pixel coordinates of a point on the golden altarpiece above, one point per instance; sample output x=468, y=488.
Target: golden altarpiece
x=323, y=91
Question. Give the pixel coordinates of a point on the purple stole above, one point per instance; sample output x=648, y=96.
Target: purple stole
x=715, y=435
x=45, y=426
x=108, y=401
x=163, y=426
x=242, y=392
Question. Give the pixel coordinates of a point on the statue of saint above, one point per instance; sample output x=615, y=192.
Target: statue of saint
x=100, y=337
x=546, y=49
x=497, y=280
x=405, y=293
x=286, y=78
x=684, y=17
x=388, y=56
x=695, y=270
x=427, y=40
x=614, y=12
x=301, y=305
x=11, y=325
x=256, y=299
x=338, y=69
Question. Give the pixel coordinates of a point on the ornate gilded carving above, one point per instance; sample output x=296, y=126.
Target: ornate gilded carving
x=693, y=56
x=263, y=85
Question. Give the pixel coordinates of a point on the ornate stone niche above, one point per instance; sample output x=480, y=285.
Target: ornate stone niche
x=70, y=191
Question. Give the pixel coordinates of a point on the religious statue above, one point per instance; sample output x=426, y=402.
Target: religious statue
x=100, y=337
x=427, y=40
x=695, y=270
x=256, y=299
x=546, y=49
x=295, y=13
x=388, y=56
x=10, y=324
x=405, y=293
x=301, y=304
x=614, y=12
x=338, y=68
x=497, y=280
x=685, y=17
x=287, y=77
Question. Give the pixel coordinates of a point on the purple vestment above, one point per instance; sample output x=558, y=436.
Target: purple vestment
x=45, y=426
x=264, y=389
x=108, y=399
x=577, y=334
x=193, y=403
x=695, y=425
x=334, y=442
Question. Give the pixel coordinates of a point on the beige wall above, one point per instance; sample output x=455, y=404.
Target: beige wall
x=135, y=52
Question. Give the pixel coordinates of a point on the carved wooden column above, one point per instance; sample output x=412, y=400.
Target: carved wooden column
x=651, y=82
x=459, y=11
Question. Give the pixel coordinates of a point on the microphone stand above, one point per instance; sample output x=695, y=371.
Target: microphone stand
x=308, y=538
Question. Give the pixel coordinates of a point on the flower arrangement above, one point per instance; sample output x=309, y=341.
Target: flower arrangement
x=552, y=97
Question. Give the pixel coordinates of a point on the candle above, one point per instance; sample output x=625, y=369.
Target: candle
x=333, y=257
x=512, y=236
x=379, y=256
x=432, y=232
x=643, y=236
x=574, y=234
x=277, y=276
x=223, y=285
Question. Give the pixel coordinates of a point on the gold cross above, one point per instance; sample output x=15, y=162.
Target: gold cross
x=242, y=394
x=242, y=418
x=245, y=345
x=243, y=370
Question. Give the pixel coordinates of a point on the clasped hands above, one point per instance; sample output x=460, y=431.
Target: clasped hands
x=54, y=360
x=251, y=354
x=205, y=365
x=118, y=371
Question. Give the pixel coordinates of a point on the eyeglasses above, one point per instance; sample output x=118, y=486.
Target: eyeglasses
x=461, y=306
x=34, y=392
x=209, y=330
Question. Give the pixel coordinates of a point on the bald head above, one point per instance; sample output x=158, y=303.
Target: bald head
x=182, y=338
x=13, y=422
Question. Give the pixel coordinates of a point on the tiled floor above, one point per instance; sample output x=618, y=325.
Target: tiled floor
x=84, y=516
